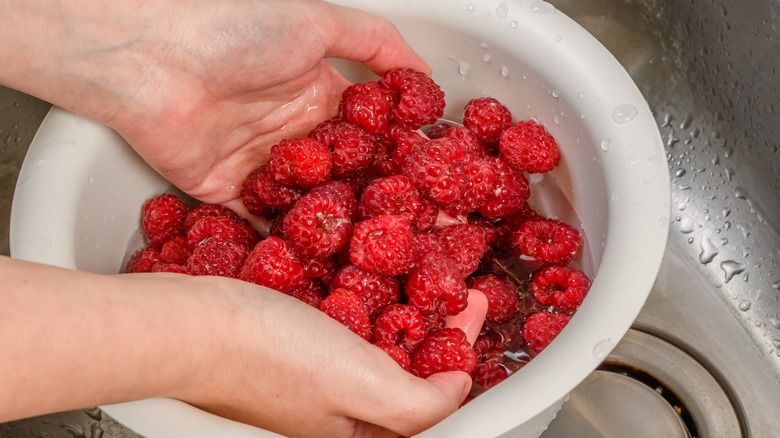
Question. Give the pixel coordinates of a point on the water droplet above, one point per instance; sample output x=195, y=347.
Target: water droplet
x=94, y=413
x=606, y=144
x=513, y=24
x=686, y=225
x=679, y=172
x=744, y=305
x=486, y=58
x=90, y=179
x=555, y=93
x=469, y=7
x=504, y=71
x=602, y=349
x=543, y=8
x=708, y=251
x=581, y=96
x=558, y=38
x=615, y=196
x=463, y=68
x=775, y=322
x=731, y=268
x=557, y=120
x=624, y=114
x=502, y=10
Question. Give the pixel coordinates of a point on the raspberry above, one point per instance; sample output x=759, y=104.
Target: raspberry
x=143, y=260
x=559, y=286
x=348, y=309
x=443, y=350
x=162, y=218
x=341, y=191
x=301, y=161
x=383, y=244
x=399, y=355
x=437, y=129
x=323, y=269
x=396, y=195
x=468, y=139
x=318, y=225
x=502, y=296
x=428, y=243
x=465, y=244
x=353, y=148
x=417, y=99
x=262, y=195
x=311, y=291
x=222, y=228
x=367, y=106
x=400, y=325
x=396, y=143
x=273, y=263
x=222, y=258
x=528, y=147
x=487, y=118
x=172, y=268
x=548, y=240
x=510, y=191
x=209, y=210
x=376, y=291
x=541, y=328
x=436, y=286
x=489, y=372
x=176, y=251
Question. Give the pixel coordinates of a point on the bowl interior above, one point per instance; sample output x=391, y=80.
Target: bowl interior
x=81, y=187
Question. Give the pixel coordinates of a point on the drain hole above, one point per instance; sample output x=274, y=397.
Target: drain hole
x=657, y=386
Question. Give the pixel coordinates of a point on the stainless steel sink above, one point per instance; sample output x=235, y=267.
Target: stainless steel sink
x=703, y=359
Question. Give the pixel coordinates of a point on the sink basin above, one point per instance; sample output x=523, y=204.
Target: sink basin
x=707, y=342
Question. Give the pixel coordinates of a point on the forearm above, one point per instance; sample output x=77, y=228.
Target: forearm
x=72, y=339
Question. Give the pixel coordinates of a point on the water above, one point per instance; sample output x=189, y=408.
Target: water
x=606, y=144
x=731, y=268
x=602, y=349
x=708, y=250
x=502, y=10
x=543, y=8
x=624, y=114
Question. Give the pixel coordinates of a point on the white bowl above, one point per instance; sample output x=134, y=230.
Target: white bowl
x=81, y=187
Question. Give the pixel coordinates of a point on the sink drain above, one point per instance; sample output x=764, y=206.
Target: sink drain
x=648, y=387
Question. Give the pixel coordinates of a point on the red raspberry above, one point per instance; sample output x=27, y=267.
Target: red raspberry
x=222, y=228
x=366, y=105
x=322, y=269
x=395, y=144
x=348, y=309
x=311, y=291
x=528, y=147
x=435, y=286
x=443, y=350
x=417, y=99
x=318, y=225
x=465, y=244
x=172, y=268
x=487, y=118
x=399, y=355
x=162, y=218
x=341, y=191
x=273, y=263
x=383, y=244
x=143, y=260
x=400, y=325
x=209, y=210
x=548, y=240
x=353, y=148
x=301, y=161
x=396, y=195
x=510, y=192
x=541, y=328
x=559, y=286
x=504, y=227
x=223, y=258
x=428, y=243
x=176, y=251
x=468, y=139
x=480, y=183
x=502, y=296
x=377, y=291
x=437, y=129
x=262, y=195
x=489, y=371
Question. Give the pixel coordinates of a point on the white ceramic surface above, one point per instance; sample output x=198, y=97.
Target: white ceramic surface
x=81, y=187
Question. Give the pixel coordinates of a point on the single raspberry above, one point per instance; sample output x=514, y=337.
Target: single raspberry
x=353, y=148
x=468, y=139
x=223, y=258
x=318, y=225
x=366, y=105
x=222, y=228
x=435, y=286
x=489, y=371
x=397, y=195
x=480, y=184
x=162, y=218
x=262, y=195
x=541, y=328
x=323, y=269
x=548, y=240
x=342, y=191
x=310, y=290
x=383, y=244
x=209, y=210
x=510, y=191
x=427, y=244
x=171, y=268
x=560, y=286
x=502, y=296
x=143, y=260
x=528, y=147
x=438, y=129
x=417, y=99
x=176, y=251
x=394, y=145
x=487, y=118
x=348, y=309
x=273, y=263
x=399, y=355
x=443, y=350
x=400, y=325
x=305, y=162
x=377, y=291
x=465, y=244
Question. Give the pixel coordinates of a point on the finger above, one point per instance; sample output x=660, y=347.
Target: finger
x=471, y=319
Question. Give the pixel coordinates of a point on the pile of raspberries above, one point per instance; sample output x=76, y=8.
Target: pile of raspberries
x=385, y=229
